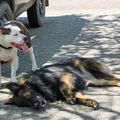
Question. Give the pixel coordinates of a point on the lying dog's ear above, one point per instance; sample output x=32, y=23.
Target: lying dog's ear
x=9, y=102
x=12, y=87
x=5, y=31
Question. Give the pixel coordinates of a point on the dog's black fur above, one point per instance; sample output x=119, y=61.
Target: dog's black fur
x=63, y=80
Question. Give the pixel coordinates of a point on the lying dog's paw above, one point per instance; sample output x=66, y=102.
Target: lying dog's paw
x=92, y=103
x=71, y=101
x=95, y=105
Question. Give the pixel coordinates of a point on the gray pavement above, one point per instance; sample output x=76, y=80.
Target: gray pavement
x=86, y=29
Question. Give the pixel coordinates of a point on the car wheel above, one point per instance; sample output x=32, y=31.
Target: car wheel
x=36, y=13
x=5, y=12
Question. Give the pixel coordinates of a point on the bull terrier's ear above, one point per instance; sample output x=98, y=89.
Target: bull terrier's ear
x=5, y=31
x=9, y=102
x=12, y=86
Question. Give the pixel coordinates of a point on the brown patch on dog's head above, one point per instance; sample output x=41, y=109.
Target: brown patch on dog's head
x=5, y=31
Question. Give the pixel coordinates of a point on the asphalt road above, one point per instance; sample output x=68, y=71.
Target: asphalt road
x=77, y=27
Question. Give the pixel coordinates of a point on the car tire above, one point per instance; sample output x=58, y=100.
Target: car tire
x=5, y=11
x=36, y=13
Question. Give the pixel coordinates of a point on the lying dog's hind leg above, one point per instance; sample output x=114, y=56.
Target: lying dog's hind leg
x=66, y=88
x=89, y=102
x=104, y=82
x=116, y=76
x=114, y=83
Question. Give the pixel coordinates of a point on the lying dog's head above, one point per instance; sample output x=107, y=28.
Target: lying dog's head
x=25, y=96
x=12, y=36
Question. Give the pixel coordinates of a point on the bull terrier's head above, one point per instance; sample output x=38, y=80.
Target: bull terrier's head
x=12, y=36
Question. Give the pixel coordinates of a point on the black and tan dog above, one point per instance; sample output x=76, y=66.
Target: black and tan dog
x=63, y=80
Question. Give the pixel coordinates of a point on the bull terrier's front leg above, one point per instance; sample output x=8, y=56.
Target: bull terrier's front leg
x=14, y=67
x=34, y=65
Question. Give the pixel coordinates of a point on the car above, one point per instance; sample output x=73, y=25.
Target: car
x=11, y=9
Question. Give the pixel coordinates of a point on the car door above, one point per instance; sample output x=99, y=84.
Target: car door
x=22, y=5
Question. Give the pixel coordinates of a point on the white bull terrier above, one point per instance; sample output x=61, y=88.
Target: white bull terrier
x=14, y=36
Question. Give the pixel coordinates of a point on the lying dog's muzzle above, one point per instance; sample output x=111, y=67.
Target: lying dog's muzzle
x=42, y=102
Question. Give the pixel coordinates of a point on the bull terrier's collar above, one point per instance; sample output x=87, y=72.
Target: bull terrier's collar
x=9, y=48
